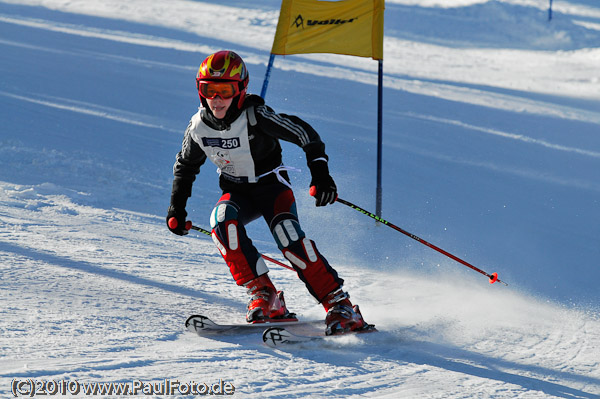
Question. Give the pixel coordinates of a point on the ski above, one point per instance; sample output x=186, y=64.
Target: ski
x=279, y=336
x=203, y=325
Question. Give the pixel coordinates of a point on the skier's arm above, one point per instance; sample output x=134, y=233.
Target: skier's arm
x=187, y=166
x=189, y=159
x=293, y=129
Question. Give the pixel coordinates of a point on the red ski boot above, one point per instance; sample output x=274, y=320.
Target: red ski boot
x=341, y=316
x=266, y=304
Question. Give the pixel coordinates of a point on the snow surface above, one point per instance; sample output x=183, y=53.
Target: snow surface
x=492, y=152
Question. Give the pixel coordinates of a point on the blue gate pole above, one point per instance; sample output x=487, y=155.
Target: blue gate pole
x=263, y=92
x=550, y=11
x=379, y=190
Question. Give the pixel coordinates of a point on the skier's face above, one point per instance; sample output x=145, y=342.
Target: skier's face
x=219, y=106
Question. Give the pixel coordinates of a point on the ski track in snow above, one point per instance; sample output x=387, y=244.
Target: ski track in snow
x=93, y=291
x=70, y=318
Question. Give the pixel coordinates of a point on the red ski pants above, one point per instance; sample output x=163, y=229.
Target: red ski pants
x=275, y=202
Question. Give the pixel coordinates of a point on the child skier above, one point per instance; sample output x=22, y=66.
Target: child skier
x=240, y=135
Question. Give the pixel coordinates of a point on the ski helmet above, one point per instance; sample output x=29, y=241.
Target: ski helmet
x=222, y=73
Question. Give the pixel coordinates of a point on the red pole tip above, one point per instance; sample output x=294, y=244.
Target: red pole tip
x=173, y=223
x=188, y=225
x=493, y=278
x=313, y=191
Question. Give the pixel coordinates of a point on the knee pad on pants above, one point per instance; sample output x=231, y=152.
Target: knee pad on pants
x=236, y=248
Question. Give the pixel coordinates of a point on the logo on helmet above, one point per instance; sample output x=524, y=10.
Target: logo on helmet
x=217, y=71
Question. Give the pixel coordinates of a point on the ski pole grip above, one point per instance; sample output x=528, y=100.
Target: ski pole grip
x=313, y=192
x=173, y=224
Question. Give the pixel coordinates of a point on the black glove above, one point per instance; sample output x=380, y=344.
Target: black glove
x=176, y=220
x=176, y=214
x=324, y=191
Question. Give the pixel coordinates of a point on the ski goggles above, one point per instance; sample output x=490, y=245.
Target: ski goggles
x=222, y=89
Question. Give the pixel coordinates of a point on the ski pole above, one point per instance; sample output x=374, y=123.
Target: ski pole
x=201, y=230
x=493, y=277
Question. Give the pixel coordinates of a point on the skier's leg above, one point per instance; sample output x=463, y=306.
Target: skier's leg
x=313, y=269
x=227, y=221
x=247, y=267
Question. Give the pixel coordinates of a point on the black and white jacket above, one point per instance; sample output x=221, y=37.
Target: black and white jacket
x=244, y=145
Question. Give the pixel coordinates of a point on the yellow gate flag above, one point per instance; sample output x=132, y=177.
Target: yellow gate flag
x=352, y=27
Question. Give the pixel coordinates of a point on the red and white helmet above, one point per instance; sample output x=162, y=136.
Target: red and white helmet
x=223, y=74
